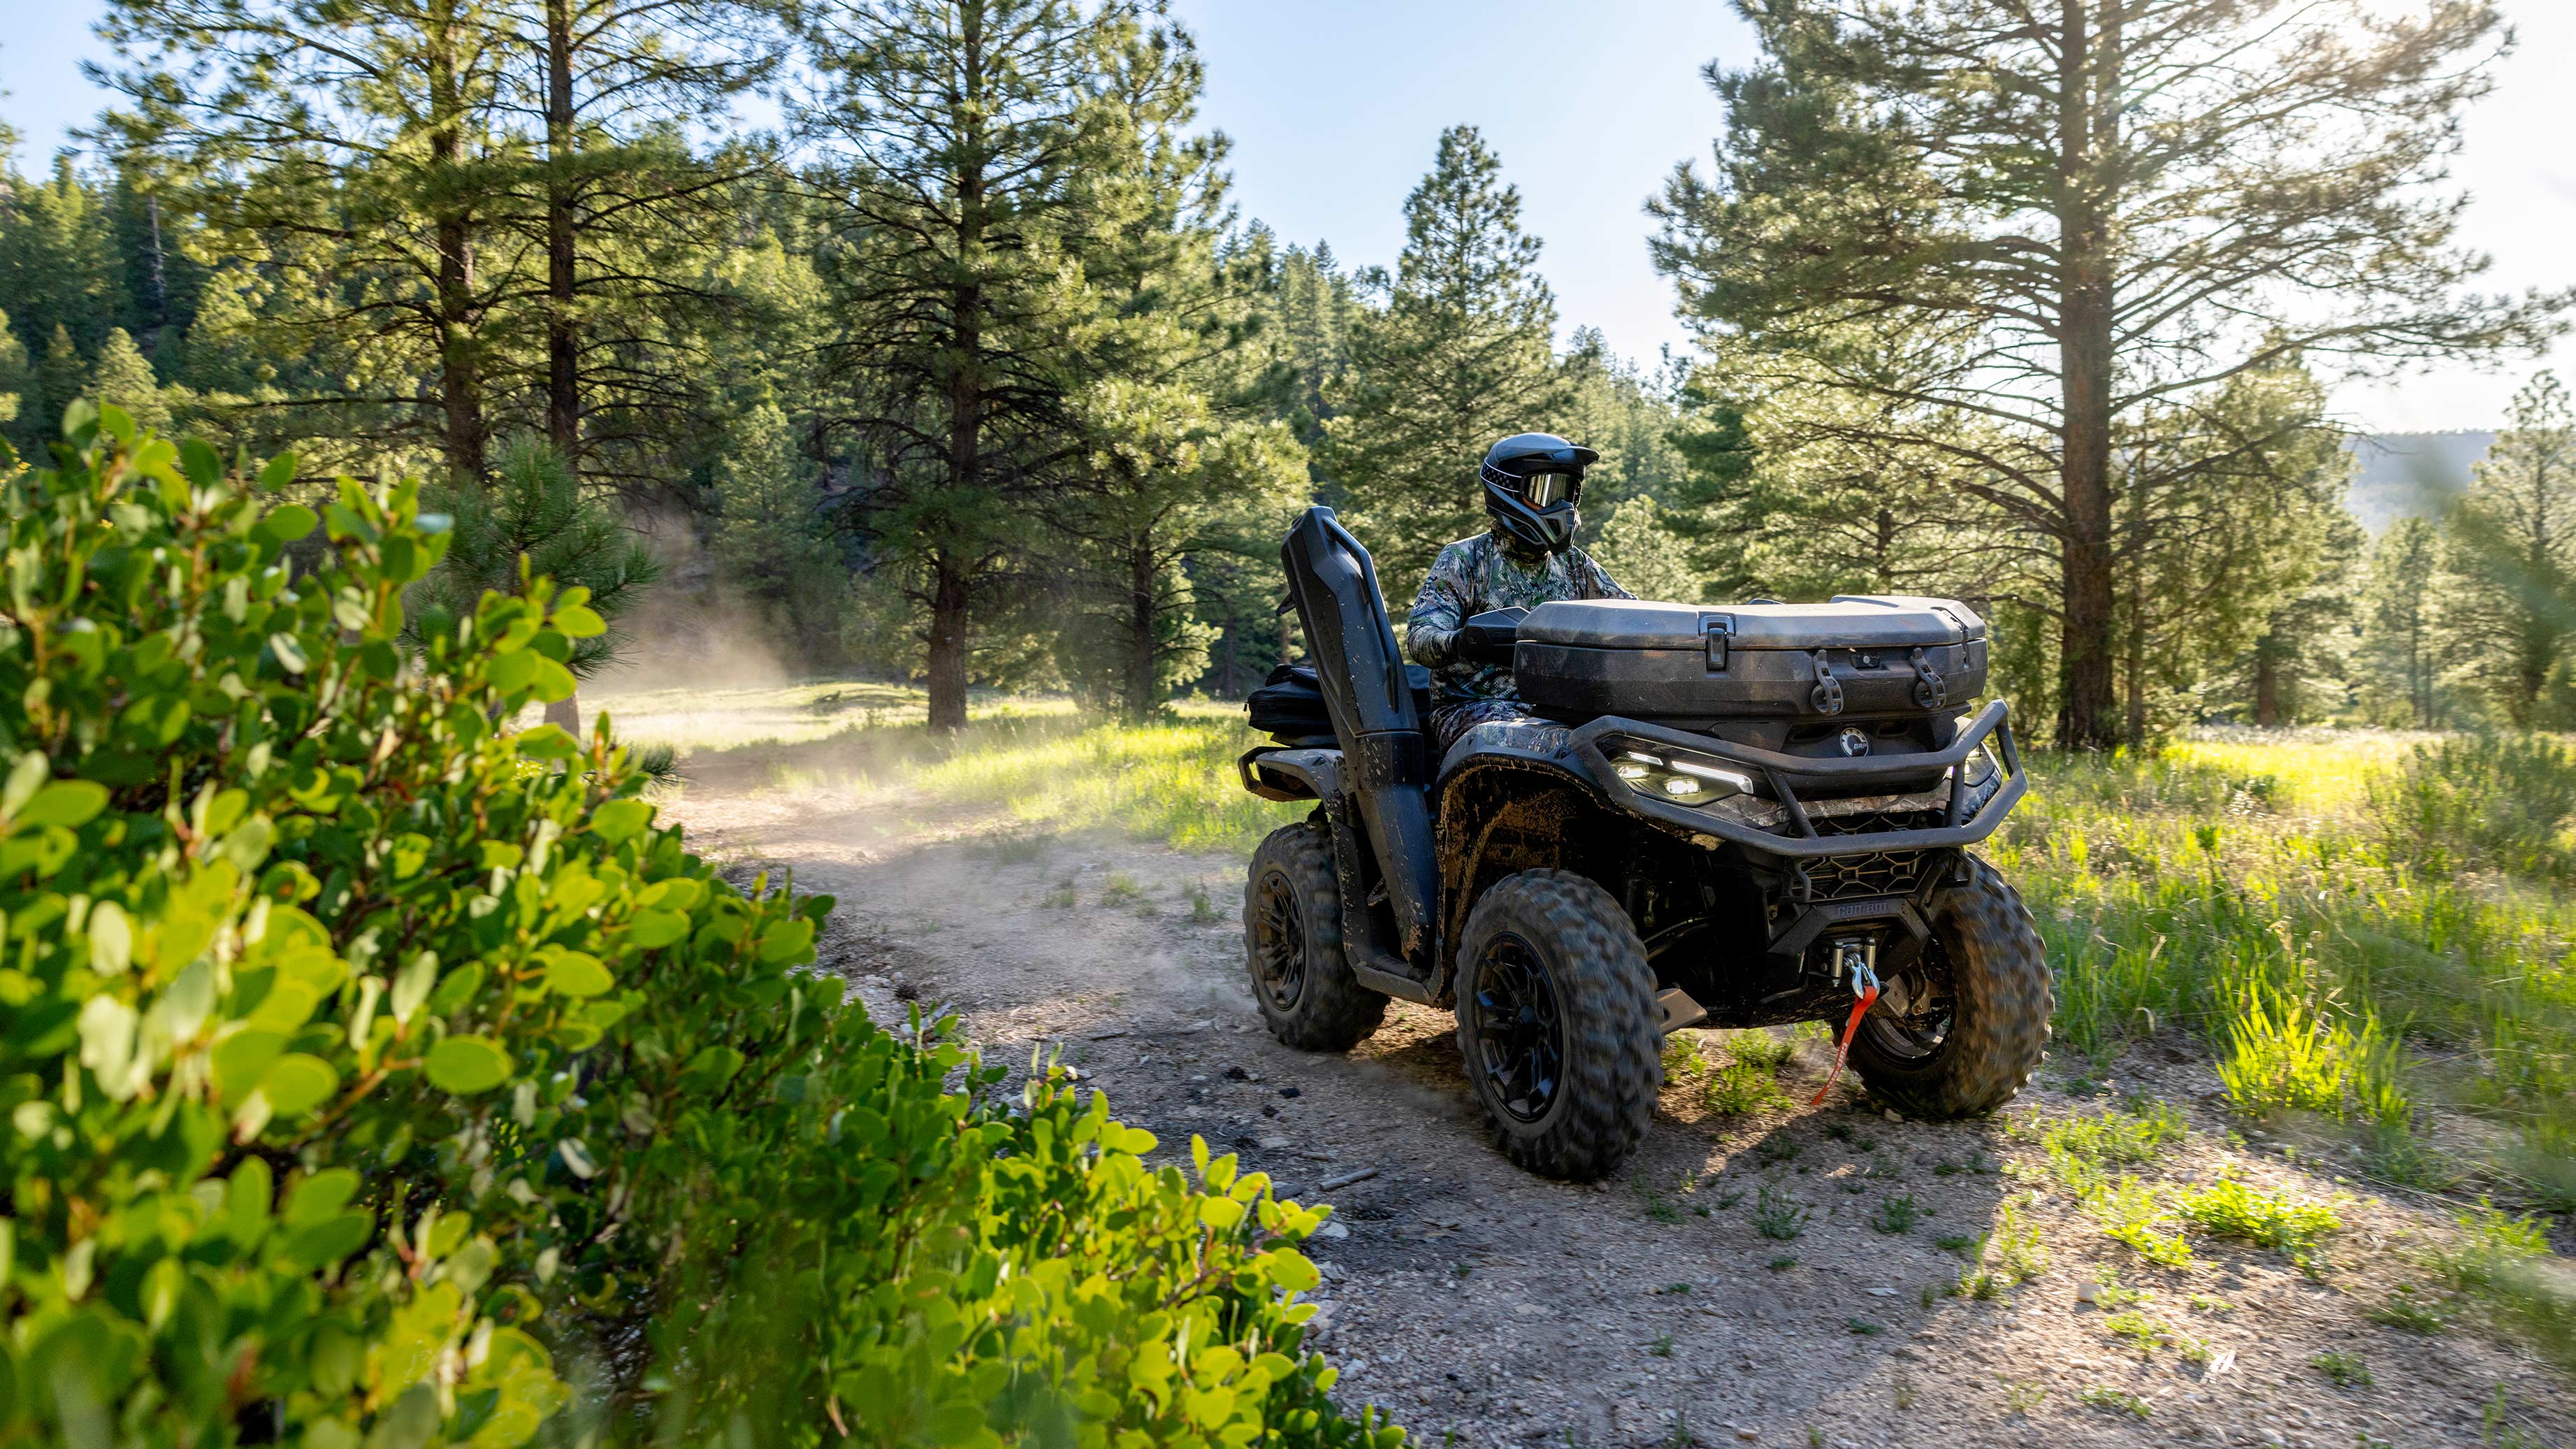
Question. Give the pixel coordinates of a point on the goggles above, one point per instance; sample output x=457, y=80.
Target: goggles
x=1544, y=490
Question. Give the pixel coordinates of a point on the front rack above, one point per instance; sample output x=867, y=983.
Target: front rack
x=1960, y=825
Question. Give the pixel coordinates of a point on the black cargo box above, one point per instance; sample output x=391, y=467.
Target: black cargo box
x=1696, y=666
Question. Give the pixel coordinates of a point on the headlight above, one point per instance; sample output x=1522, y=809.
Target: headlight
x=1676, y=777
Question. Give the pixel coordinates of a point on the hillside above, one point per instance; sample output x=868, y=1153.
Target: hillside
x=2403, y=473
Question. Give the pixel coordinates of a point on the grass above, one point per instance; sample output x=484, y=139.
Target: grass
x=2409, y=1310
x=2116, y=1401
x=2284, y=899
x=1748, y=1080
x=1897, y=1214
x=2347, y=1370
x=2292, y=1225
x=2505, y=1263
x=2143, y=1333
x=1779, y=1216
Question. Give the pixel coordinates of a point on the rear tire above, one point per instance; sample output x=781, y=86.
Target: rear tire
x=1994, y=1027
x=1292, y=940
x=1558, y=1024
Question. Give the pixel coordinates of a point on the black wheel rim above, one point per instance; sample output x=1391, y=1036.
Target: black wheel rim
x=1919, y=1035
x=1279, y=944
x=1520, y=1033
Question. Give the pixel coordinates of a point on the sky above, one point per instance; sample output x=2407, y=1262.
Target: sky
x=1335, y=106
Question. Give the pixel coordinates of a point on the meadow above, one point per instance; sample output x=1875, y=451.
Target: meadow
x=2369, y=932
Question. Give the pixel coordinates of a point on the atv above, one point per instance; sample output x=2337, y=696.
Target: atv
x=1745, y=815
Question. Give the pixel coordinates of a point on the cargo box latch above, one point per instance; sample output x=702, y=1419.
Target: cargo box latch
x=1827, y=696
x=1931, y=691
x=1719, y=629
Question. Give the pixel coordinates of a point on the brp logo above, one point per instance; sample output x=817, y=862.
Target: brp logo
x=1853, y=743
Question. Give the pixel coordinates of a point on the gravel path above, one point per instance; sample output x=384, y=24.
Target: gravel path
x=1475, y=1301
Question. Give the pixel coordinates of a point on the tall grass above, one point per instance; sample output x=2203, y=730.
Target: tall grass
x=2255, y=897
x=1171, y=780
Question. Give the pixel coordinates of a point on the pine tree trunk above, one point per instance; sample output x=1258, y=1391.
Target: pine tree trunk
x=2267, y=686
x=2087, y=71
x=1140, y=699
x=2135, y=672
x=460, y=377
x=563, y=352
x=947, y=661
x=946, y=665
x=156, y=286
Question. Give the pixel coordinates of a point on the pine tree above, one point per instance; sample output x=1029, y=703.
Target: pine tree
x=1627, y=415
x=360, y=152
x=1646, y=556
x=770, y=535
x=2230, y=574
x=123, y=376
x=1458, y=358
x=61, y=377
x=532, y=519
x=2037, y=226
x=17, y=378
x=2509, y=554
x=2401, y=631
x=624, y=210
x=966, y=138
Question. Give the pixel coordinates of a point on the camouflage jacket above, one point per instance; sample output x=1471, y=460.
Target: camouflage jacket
x=1481, y=573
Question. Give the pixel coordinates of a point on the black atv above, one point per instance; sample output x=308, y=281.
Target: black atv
x=1737, y=816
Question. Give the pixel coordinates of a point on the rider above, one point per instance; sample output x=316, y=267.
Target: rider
x=1532, y=482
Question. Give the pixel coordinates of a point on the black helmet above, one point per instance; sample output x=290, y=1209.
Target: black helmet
x=1532, y=482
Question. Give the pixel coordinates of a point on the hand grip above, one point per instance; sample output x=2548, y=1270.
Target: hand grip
x=1489, y=636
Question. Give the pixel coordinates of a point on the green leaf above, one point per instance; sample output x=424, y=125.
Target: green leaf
x=280, y=472
x=554, y=682
x=298, y=1083
x=466, y=1065
x=111, y=939
x=329, y=1240
x=319, y=1196
x=512, y=672
x=574, y=973
x=285, y=524
x=547, y=742
x=243, y=1058
x=70, y=804
x=290, y=654
x=652, y=930
x=203, y=465
x=618, y=819
x=579, y=622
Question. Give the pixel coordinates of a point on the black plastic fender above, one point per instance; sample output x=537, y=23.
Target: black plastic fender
x=1386, y=766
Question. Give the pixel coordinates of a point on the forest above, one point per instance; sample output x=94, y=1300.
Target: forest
x=997, y=388
x=425, y=1022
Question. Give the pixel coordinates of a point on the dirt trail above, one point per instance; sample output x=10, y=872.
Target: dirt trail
x=1474, y=1300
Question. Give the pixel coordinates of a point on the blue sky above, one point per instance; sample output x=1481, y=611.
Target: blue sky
x=1335, y=105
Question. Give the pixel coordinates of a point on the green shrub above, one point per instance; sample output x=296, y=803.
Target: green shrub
x=2497, y=801
x=374, y=1074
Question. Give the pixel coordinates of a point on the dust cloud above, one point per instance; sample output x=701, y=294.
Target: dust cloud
x=692, y=630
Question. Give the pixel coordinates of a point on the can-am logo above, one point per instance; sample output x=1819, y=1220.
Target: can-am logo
x=1853, y=743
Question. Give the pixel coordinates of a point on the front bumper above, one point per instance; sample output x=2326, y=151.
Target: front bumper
x=1969, y=813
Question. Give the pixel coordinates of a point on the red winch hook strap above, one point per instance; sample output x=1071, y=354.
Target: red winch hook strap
x=1842, y=1053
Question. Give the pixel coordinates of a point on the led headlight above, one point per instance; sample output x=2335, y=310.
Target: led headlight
x=1675, y=777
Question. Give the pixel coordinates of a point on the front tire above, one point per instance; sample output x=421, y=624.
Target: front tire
x=1558, y=1024
x=1292, y=940
x=1984, y=1025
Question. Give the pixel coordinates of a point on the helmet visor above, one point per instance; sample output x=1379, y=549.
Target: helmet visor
x=1544, y=490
